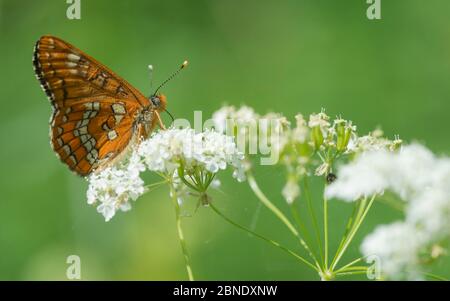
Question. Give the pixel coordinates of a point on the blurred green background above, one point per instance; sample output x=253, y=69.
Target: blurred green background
x=286, y=56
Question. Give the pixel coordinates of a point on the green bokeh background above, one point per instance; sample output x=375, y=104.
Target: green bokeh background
x=286, y=56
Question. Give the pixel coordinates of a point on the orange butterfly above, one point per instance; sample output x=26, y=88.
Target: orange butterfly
x=96, y=114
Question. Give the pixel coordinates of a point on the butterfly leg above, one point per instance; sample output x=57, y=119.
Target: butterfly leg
x=161, y=124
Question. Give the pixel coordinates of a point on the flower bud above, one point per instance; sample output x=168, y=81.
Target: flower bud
x=317, y=136
x=343, y=133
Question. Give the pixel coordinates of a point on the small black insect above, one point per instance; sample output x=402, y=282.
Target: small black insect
x=331, y=177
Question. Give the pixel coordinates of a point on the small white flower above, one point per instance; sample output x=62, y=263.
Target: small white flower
x=321, y=120
x=215, y=184
x=245, y=115
x=300, y=133
x=220, y=118
x=291, y=190
x=107, y=207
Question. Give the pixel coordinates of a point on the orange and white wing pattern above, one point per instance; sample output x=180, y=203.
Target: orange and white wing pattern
x=95, y=112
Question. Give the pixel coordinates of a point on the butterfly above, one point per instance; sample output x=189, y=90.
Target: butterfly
x=96, y=114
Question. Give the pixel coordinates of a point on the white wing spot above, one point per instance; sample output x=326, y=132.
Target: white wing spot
x=73, y=57
x=83, y=130
x=66, y=148
x=89, y=145
x=82, y=123
x=89, y=114
x=71, y=64
x=92, y=156
x=85, y=138
x=118, y=108
x=118, y=118
x=112, y=135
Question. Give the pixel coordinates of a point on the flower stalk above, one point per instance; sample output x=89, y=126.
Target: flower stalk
x=184, y=249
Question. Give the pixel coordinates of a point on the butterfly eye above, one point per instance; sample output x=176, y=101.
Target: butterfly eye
x=156, y=101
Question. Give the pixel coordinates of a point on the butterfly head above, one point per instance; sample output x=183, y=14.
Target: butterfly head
x=159, y=102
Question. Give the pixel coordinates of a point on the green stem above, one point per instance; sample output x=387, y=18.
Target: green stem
x=353, y=269
x=270, y=241
x=301, y=225
x=351, y=273
x=352, y=233
x=313, y=216
x=435, y=277
x=348, y=227
x=181, y=235
x=325, y=230
x=261, y=196
x=254, y=186
x=349, y=264
x=358, y=211
x=186, y=182
x=156, y=184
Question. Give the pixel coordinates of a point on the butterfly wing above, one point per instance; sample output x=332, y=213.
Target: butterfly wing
x=88, y=135
x=94, y=111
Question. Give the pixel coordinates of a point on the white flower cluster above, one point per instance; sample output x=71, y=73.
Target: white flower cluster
x=114, y=186
x=422, y=180
x=167, y=150
x=245, y=123
x=164, y=152
x=373, y=141
x=242, y=117
x=397, y=246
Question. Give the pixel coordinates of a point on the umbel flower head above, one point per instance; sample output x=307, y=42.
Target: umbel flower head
x=241, y=117
x=208, y=151
x=184, y=158
x=311, y=145
x=422, y=181
x=250, y=128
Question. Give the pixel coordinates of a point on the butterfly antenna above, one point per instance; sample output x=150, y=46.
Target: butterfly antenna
x=185, y=63
x=171, y=117
x=150, y=68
